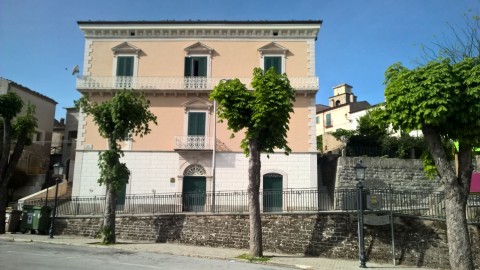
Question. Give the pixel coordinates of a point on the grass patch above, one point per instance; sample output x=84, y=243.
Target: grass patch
x=253, y=259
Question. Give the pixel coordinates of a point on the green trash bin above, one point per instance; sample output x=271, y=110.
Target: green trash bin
x=35, y=219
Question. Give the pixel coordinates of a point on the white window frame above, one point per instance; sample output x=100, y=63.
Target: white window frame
x=209, y=61
x=135, y=63
x=207, y=121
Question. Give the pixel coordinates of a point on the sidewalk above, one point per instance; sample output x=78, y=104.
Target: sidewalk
x=286, y=260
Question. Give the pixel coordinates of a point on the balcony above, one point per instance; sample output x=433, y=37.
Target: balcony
x=89, y=83
x=193, y=143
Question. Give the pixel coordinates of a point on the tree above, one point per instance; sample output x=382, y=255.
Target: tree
x=16, y=131
x=126, y=113
x=264, y=114
x=372, y=124
x=462, y=42
x=443, y=100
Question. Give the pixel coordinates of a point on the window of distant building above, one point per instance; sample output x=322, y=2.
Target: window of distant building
x=317, y=119
x=328, y=120
x=273, y=55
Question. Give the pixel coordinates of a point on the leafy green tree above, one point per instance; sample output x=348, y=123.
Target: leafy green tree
x=264, y=115
x=443, y=100
x=372, y=124
x=16, y=131
x=343, y=134
x=126, y=113
x=320, y=143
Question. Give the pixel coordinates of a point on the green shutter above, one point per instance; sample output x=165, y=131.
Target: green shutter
x=188, y=67
x=328, y=121
x=196, y=124
x=195, y=66
x=273, y=61
x=125, y=66
x=202, y=66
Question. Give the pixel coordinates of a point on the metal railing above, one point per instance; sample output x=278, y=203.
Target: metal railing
x=414, y=203
x=176, y=83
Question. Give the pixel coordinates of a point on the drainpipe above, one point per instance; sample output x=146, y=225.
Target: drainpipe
x=214, y=152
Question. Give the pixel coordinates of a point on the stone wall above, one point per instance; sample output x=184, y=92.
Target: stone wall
x=418, y=242
x=401, y=174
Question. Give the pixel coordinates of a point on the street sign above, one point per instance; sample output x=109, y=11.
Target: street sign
x=374, y=201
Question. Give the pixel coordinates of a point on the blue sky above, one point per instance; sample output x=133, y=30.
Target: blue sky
x=40, y=41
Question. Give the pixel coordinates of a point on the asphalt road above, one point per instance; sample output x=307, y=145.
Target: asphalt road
x=42, y=256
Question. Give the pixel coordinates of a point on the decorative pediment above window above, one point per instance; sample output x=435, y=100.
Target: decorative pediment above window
x=198, y=48
x=125, y=48
x=273, y=48
x=197, y=104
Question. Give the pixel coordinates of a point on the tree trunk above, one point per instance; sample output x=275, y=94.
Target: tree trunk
x=3, y=206
x=8, y=163
x=254, y=165
x=456, y=195
x=108, y=229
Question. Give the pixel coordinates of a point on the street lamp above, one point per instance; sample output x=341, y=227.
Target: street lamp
x=58, y=174
x=360, y=176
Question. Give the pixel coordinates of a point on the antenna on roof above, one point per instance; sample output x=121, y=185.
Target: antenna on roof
x=75, y=70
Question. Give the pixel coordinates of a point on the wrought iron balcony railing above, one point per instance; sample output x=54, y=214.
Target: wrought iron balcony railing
x=193, y=143
x=175, y=83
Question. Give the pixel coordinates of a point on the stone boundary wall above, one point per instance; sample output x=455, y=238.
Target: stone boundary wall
x=418, y=242
x=400, y=174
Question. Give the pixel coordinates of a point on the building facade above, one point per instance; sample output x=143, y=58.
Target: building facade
x=342, y=112
x=176, y=64
x=34, y=163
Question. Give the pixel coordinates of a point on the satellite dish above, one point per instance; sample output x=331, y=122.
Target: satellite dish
x=75, y=70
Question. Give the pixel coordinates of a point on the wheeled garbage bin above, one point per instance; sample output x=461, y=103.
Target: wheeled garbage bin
x=12, y=223
x=35, y=219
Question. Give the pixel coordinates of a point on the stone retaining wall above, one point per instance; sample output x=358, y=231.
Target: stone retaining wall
x=418, y=242
x=400, y=174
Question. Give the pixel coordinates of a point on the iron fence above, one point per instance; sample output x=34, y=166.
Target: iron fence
x=424, y=203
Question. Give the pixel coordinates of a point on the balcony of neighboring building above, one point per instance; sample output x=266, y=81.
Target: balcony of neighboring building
x=87, y=84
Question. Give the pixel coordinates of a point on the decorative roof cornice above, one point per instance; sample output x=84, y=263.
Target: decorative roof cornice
x=201, y=29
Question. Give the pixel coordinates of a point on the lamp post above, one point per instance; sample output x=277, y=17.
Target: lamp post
x=360, y=176
x=58, y=174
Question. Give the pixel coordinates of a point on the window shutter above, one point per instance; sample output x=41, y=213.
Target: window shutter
x=188, y=67
x=328, y=121
x=125, y=66
x=273, y=61
x=196, y=123
x=202, y=66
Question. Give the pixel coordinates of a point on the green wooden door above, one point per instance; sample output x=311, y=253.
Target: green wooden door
x=272, y=192
x=194, y=193
x=121, y=194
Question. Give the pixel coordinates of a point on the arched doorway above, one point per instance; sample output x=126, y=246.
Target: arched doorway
x=272, y=192
x=194, y=188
